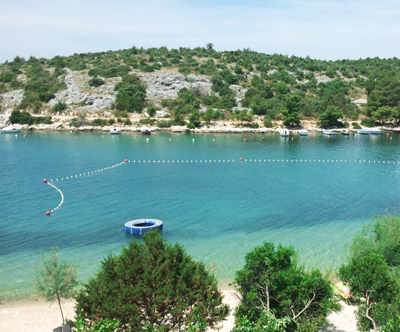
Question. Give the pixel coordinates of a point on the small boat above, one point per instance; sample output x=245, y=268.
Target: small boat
x=283, y=132
x=115, y=130
x=146, y=130
x=303, y=132
x=11, y=129
x=363, y=131
x=328, y=132
x=374, y=131
x=396, y=130
x=344, y=132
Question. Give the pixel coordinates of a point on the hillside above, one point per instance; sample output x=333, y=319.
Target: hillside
x=193, y=87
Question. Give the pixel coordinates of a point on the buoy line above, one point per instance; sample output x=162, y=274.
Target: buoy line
x=62, y=198
x=75, y=176
x=177, y=161
x=241, y=160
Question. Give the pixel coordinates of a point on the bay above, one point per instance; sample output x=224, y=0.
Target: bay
x=311, y=192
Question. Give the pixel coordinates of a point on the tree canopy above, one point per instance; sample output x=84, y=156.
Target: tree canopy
x=272, y=286
x=152, y=286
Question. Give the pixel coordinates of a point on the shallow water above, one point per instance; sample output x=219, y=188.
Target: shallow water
x=218, y=210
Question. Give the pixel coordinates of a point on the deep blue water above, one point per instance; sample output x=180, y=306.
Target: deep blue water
x=218, y=210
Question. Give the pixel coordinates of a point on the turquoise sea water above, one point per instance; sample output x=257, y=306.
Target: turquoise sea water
x=219, y=211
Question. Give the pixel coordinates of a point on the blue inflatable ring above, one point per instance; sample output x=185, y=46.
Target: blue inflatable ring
x=141, y=226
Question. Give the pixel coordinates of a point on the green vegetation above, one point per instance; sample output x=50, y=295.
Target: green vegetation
x=131, y=94
x=25, y=118
x=277, y=86
x=382, y=236
x=373, y=273
x=369, y=277
x=274, y=290
x=57, y=279
x=96, y=81
x=152, y=286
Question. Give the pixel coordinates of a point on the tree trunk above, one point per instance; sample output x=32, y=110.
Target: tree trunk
x=59, y=303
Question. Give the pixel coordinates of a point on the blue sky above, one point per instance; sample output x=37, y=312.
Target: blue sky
x=327, y=30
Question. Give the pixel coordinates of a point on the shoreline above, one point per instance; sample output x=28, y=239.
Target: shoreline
x=37, y=315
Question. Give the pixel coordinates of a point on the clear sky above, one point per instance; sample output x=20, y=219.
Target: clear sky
x=330, y=30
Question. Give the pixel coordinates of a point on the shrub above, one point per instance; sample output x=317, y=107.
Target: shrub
x=190, y=125
x=368, y=122
x=99, y=122
x=46, y=96
x=268, y=122
x=111, y=122
x=25, y=118
x=96, y=82
x=163, y=124
x=59, y=107
x=127, y=122
x=147, y=121
x=151, y=110
x=122, y=114
x=151, y=285
x=131, y=94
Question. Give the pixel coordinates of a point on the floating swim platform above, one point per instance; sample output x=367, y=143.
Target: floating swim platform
x=141, y=226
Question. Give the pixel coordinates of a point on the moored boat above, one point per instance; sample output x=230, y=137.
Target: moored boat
x=283, y=132
x=115, y=130
x=363, y=131
x=328, y=132
x=146, y=130
x=344, y=132
x=11, y=129
x=303, y=132
x=374, y=131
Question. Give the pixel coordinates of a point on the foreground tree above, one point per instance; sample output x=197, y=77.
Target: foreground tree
x=274, y=290
x=291, y=109
x=151, y=286
x=382, y=236
x=369, y=277
x=57, y=279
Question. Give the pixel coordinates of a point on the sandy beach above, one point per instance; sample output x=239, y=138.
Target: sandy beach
x=38, y=315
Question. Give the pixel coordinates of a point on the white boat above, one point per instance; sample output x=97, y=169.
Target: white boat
x=146, y=130
x=283, y=132
x=328, y=132
x=11, y=129
x=363, y=131
x=115, y=130
x=344, y=132
x=303, y=132
x=374, y=131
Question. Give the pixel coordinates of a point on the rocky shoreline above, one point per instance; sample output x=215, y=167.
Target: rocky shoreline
x=174, y=129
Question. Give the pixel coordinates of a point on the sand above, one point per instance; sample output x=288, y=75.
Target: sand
x=38, y=315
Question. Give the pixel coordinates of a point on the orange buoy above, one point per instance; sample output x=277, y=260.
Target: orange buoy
x=126, y=160
x=241, y=159
x=24, y=135
x=390, y=137
x=244, y=139
x=263, y=138
x=44, y=136
x=292, y=138
x=76, y=136
x=213, y=140
x=48, y=213
x=387, y=134
x=170, y=140
x=314, y=136
x=44, y=180
x=252, y=137
x=328, y=137
x=135, y=136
